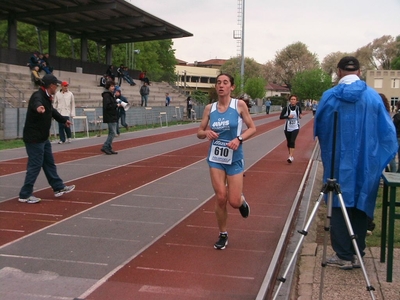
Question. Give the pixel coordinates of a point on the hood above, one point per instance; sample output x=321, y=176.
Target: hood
x=352, y=92
x=107, y=91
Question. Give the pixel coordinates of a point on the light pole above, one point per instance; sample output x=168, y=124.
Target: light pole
x=239, y=35
x=242, y=52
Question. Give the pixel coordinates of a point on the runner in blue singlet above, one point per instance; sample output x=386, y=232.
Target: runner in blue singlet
x=222, y=125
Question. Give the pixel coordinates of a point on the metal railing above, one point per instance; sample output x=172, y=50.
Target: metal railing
x=6, y=93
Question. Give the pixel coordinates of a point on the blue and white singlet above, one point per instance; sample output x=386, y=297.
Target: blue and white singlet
x=228, y=125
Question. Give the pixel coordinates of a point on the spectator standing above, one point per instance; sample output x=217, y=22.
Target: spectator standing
x=110, y=116
x=121, y=108
x=36, y=138
x=222, y=125
x=267, y=106
x=189, y=106
x=167, y=99
x=365, y=143
x=120, y=74
x=64, y=102
x=292, y=114
x=144, y=93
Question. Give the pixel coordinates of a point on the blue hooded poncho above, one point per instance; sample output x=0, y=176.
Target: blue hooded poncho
x=365, y=142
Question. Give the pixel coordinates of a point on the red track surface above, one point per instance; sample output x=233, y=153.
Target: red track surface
x=182, y=264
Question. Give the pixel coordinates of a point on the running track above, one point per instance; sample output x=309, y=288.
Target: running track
x=140, y=224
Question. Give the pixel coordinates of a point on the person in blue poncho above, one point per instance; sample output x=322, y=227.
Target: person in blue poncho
x=365, y=143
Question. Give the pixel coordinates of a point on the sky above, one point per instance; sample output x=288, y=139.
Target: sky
x=325, y=26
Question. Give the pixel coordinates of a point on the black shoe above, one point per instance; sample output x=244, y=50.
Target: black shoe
x=106, y=151
x=222, y=241
x=244, y=208
x=113, y=152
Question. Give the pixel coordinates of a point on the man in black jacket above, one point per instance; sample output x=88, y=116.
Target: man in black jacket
x=110, y=116
x=36, y=138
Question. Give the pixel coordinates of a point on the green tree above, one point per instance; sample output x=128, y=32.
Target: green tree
x=293, y=59
x=252, y=69
x=396, y=60
x=310, y=84
x=200, y=97
x=255, y=87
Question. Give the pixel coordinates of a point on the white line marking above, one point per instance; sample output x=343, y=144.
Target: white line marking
x=145, y=207
x=191, y=293
x=208, y=247
x=237, y=229
x=119, y=220
x=29, y=213
x=11, y=230
x=252, y=215
x=30, y=295
x=161, y=196
x=53, y=259
x=91, y=237
x=195, y=273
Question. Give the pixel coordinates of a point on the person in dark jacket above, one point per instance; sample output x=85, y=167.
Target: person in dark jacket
x=36, y=138
x=110, y=116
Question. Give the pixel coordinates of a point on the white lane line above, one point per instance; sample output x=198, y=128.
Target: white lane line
x=236, y=229
x=53, y=259
x=195, y=273
x=165, y=197
x=145, y=207
x=29, y=213
x=36, y=296
x=192, y=293
x=90, y=237
x=253, y=215
x=11, y=230
x=120, y=220
x=73, y=202
x=208, y=247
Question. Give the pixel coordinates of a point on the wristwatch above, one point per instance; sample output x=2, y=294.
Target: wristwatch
x=240, y=138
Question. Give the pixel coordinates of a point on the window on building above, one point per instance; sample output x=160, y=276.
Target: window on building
x=378, y=83
x=395, y=83
x=213, y=80
x=194, y=79
x=204, y=79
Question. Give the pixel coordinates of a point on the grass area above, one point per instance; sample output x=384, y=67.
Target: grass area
x=17, y=143
x=374, y=240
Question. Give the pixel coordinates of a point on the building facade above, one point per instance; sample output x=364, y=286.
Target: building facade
x=386, y=82
x=198, y=76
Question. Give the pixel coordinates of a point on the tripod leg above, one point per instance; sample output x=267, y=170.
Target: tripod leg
x=303, y=233
x=370, y=288
x=326, y=229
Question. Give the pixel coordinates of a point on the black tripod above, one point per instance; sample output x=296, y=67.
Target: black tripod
x=329, y=188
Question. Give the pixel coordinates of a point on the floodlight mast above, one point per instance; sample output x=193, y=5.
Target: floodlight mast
x=242, y=52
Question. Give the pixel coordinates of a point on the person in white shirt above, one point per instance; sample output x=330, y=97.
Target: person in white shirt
x=64, y=102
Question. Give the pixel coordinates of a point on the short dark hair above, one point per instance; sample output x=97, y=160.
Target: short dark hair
x=231, y=79
x=109, y=83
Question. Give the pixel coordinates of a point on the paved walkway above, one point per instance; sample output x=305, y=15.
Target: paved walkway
x=337, y=283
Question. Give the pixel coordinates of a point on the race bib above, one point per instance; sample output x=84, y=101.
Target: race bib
x=220, y=153
x=292, y=124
